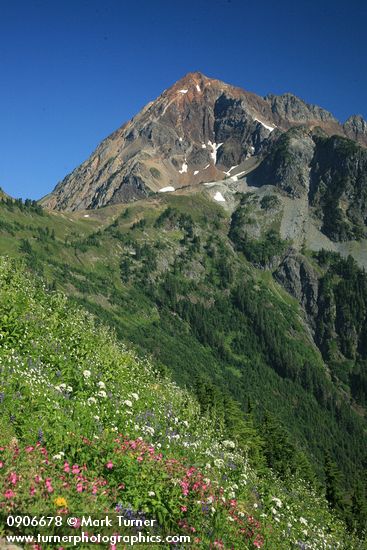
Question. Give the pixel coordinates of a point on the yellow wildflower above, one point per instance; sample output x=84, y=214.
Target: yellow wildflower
x=60, y=502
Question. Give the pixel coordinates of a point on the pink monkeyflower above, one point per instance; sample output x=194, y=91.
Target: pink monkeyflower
x=29, y=449
x=75, y=469
x=1, y=464
x=32, y=491
x=77, y=523
x=183, y=508
x=259, y=541
x=140, y=459
x=79, y=487
x=94, y=490
x=37, y=479
x=66, y=467
x=9, y=494
x=109, y=465
x=13, y=478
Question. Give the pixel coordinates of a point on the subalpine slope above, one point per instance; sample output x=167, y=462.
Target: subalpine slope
x=86, y=425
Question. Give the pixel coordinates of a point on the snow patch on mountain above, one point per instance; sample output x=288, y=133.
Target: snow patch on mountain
x=167, y=189
x=219, y=197
x=215, y=148
x=183, y=168
x=270, y=128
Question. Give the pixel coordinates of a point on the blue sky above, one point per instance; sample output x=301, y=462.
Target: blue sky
x=73, y=71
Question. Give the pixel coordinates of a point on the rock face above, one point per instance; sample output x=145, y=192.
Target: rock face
x=299, y=278
x=199, y=130
x=356, y=128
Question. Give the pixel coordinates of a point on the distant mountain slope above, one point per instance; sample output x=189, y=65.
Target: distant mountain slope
x=199, y=130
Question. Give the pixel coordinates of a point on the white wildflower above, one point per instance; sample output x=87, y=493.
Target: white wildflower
x=151, y=494
x=102, y=393
x=229, y=444
x=86, y=373
x=128, y=403
x=277, y=501
x=101, y=384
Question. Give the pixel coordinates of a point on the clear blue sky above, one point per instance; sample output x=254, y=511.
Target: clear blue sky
x=72, y=71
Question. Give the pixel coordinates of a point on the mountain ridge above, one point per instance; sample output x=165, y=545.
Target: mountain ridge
x=197, y=131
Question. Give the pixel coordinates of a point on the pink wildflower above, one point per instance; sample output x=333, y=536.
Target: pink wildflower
x=9, y=494
x=13, y=478
x=109, y=465
x=75, y=469
x=29, y=449
x=1, y=464
x=79, y=487
x=32, y=491
x=183, y=508
x=66, y=467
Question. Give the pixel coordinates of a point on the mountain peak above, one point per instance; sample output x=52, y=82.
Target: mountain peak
x=200, y=130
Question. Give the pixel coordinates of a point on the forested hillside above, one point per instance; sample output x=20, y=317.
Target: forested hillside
x=177, y=280
x=87, y=425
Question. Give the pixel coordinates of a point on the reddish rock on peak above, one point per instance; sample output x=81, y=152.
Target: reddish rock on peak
x=199, y=130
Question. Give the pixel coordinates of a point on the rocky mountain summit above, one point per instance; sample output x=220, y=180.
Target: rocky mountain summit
x=198, y=131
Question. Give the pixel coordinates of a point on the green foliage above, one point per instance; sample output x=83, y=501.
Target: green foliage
x=68, y=392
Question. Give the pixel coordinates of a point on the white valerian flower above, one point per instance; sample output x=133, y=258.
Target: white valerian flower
x=219, y=463
x=102, y=393
x=128, y=403
x=96, y=417
x=229, y=444
x=135, y=396
x=149, y=430
x=230, y=518
x=151, y=494
x=86, y=373
x=274, y=511
x=303, y=520
x=91, y=400
x=277, y=501
x=101, y=384
x=69, y=389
